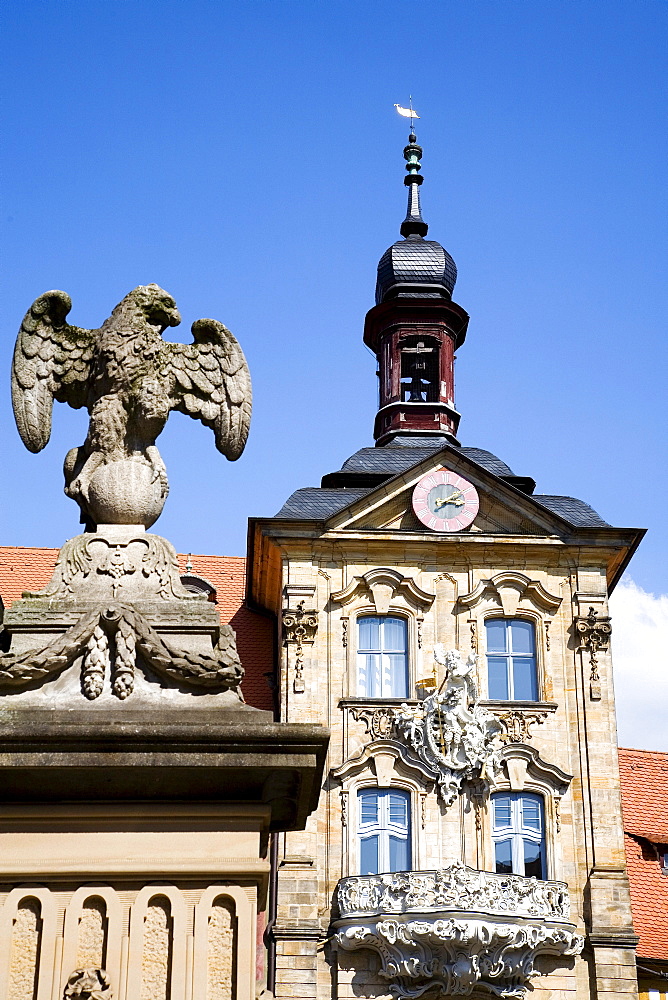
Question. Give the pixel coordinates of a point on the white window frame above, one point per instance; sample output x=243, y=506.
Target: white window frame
x=391, y=614
x=517, y=833
x=529, y=620
x=384, y=828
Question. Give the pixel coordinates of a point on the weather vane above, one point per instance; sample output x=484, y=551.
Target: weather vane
x=407, y=112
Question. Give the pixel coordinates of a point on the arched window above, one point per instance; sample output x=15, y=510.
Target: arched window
x=382, y=657
x=518, y=833
x=511, y=659
x=383, y=830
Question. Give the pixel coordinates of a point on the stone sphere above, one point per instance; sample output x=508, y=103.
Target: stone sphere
x=125, y=492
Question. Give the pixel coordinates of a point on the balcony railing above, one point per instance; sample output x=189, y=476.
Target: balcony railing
x=454, y=888
x=458, y=930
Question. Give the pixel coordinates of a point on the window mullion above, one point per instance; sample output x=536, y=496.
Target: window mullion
x=518, y=841
x=383, y=839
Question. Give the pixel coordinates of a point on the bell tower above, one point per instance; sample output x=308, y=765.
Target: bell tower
x=415, y=328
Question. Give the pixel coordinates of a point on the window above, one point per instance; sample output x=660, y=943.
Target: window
x=382, y=660
x=383, y=830
x=419, y=370
x=511, y=659
x=518, y=834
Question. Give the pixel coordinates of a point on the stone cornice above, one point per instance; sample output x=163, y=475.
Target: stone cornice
x=226, y=754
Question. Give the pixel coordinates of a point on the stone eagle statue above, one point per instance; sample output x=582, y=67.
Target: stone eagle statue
x=128, y=378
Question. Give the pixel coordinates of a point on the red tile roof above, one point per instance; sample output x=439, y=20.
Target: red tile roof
x=644, y=776
x=31, y=568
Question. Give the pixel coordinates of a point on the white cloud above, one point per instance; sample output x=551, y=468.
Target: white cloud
x=640, y=660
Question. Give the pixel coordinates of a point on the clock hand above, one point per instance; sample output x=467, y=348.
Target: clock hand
x=454, y=498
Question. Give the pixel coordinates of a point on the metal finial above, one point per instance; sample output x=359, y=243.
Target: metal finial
x=413, y=224
x=189, y=564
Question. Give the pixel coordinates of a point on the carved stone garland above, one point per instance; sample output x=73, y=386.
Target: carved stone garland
x=123, y=628
x=451, y=732
x=299, y=627
x=594, y=635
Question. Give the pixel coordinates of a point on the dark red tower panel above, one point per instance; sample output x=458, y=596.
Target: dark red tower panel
x=414, y=341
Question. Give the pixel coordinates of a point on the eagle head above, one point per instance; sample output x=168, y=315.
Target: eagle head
x=157, y=306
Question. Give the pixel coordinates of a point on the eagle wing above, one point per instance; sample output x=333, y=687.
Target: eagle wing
x=209, y=380
x=51, y=361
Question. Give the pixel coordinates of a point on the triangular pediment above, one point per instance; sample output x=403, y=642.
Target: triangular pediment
x=502, y=508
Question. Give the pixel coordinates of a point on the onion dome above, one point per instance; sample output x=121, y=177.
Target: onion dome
x=415, y=267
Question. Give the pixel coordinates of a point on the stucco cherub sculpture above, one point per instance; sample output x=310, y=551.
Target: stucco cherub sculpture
x=450, y=731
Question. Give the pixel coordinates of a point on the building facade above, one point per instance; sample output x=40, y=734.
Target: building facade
x=450, y=626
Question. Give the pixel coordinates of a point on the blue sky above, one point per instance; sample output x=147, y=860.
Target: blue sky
x=246, y=156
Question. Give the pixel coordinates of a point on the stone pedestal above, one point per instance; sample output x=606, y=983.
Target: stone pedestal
x=137, y=791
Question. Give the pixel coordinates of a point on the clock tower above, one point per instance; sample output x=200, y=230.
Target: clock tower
x=450, y=626
x=415, y=327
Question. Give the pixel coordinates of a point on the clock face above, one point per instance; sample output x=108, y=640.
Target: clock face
x=444, y=501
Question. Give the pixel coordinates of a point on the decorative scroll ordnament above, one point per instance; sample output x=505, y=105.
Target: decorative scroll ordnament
x=450, y=732
x=299, y=627
x=129, y=632
x=92, y=567
x=419, y=924
x=517, y=725
x=594, y=635
x=24, y=953
x=156, y=951
x=458, y=957
x=221, y=962
x=378, y=722
x=88, y=984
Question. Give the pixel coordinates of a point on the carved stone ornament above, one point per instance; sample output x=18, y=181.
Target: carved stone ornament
x=509, y=589
x=420, y=924
x=119, y=563
x=109, y=639
x=88, y=984
x=299, y=627
x=517, y=724
x=129, y=379
x=449, y=731
x=383, y=585
x=378, y=722
x=594, y=636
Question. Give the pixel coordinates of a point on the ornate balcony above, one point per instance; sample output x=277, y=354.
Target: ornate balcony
x=469, y=932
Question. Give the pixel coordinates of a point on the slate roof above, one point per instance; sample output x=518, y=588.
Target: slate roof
x=644, y=778
x=576, y=512
x=421, y=265
x=317, y=504
x=397, y=458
